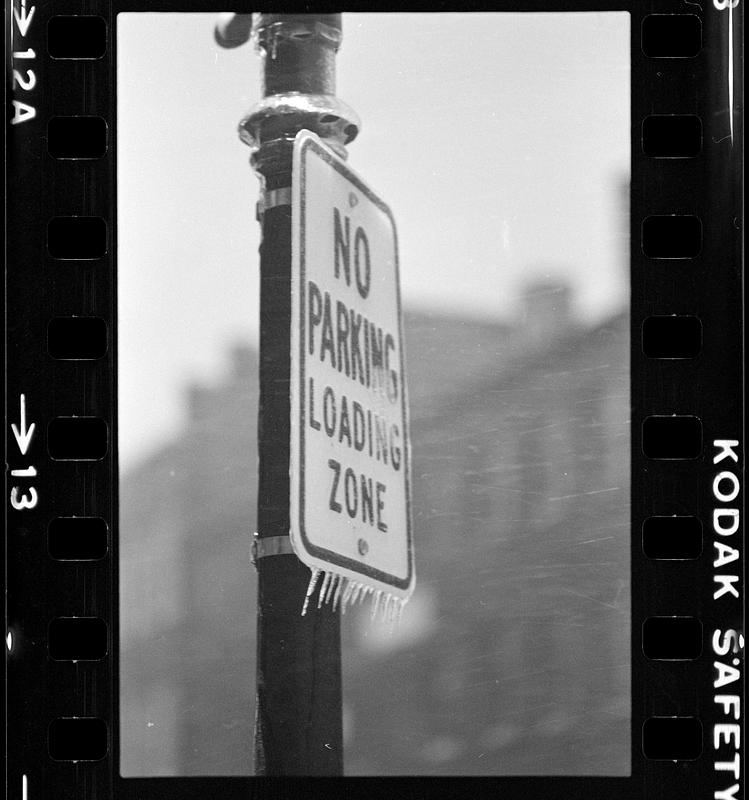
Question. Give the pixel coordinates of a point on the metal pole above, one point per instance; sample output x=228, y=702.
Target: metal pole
x=298, y=726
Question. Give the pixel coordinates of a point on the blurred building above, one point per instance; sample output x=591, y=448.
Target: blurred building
x=513, y=655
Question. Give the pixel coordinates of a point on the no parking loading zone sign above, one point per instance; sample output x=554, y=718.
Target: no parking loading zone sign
x=350, y=451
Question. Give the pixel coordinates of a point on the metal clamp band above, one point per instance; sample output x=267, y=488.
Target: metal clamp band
x=270, y=546
x=273, y=198
x=277, y=197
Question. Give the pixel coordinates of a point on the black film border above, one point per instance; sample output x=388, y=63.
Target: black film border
x=686, y=358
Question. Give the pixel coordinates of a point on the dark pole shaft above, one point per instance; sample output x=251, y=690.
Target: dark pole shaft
x=298, y=723
x=299, y=707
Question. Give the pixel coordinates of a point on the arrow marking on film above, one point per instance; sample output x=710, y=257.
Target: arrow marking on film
x=23, y=20
x=23, y=436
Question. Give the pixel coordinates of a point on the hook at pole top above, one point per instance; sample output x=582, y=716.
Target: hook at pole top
x=232, y=30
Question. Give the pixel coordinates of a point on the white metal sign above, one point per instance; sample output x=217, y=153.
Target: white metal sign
x=350, y=452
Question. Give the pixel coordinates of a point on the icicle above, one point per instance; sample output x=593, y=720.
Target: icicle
x=399, y=613
x=337, y=594
x=393, y=601
x=329, y=589
x=376, y=602
x=323, y=589
x=386, y=609
x=333, y=586
x=347, y=592
x=310, y=589
x=340, y=592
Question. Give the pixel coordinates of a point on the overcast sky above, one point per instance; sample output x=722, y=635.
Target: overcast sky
x=500, y=141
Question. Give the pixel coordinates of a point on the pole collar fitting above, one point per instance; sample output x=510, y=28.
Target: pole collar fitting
x=282, y=116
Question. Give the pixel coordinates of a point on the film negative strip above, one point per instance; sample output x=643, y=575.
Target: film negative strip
x=585, y=649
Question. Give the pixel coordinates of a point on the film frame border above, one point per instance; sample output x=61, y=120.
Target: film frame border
x=47, y=697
